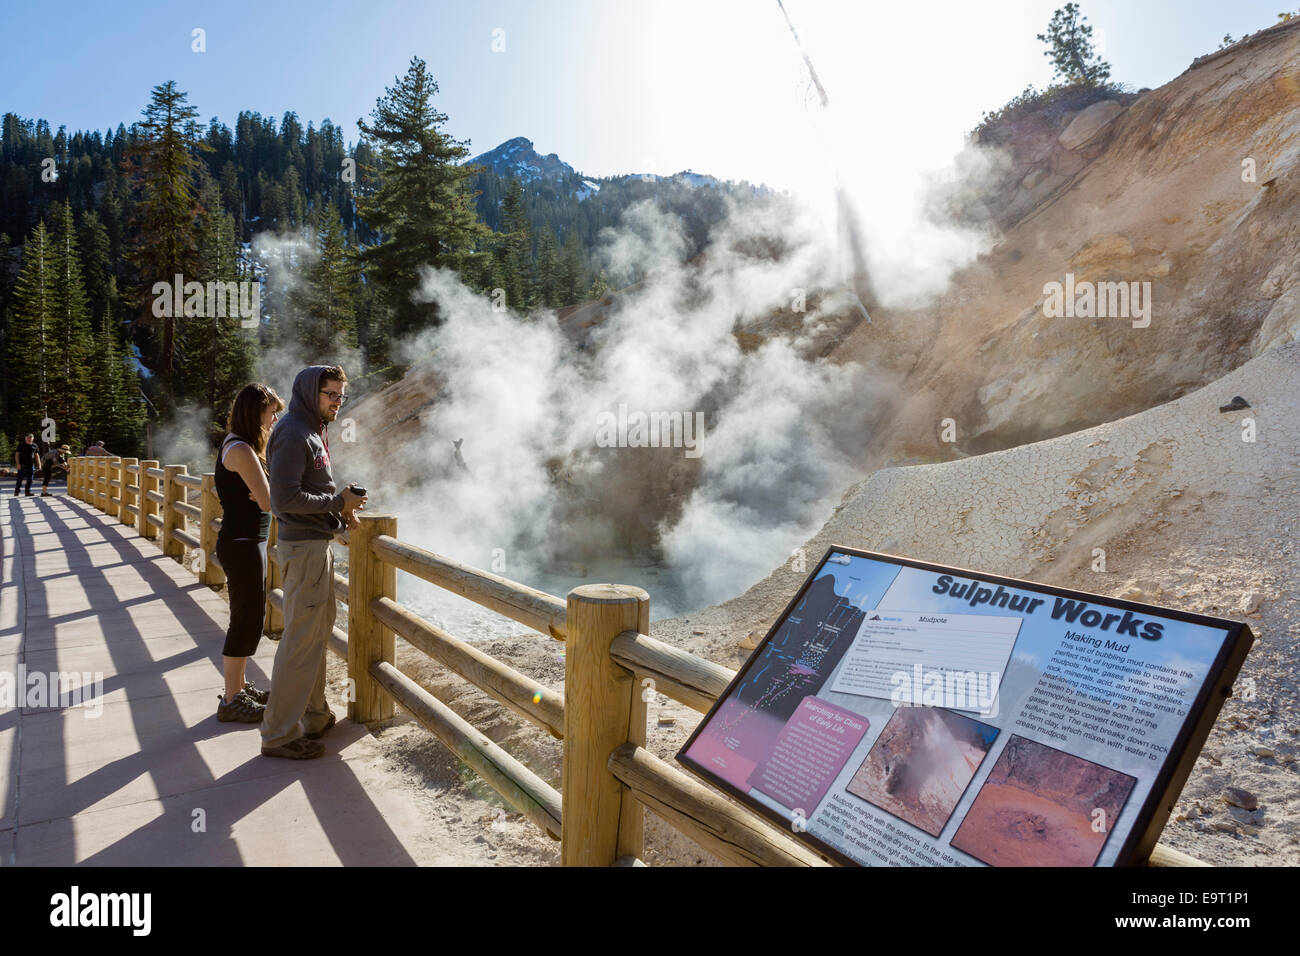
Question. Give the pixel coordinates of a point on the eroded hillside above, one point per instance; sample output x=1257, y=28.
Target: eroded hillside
x=1191, y=187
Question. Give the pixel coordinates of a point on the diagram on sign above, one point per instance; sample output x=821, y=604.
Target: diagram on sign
x=792, y=665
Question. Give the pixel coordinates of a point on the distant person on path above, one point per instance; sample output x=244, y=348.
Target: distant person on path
x=309, y=513
x=245, y=494
x=55, y=458
x=25, y=457
x=99, y=449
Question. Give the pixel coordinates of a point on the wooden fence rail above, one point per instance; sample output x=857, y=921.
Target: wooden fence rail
x=608, y=777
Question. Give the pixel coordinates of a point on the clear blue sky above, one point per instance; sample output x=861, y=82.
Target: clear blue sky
x=612, y=86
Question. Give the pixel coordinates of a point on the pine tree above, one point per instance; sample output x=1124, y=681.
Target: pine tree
x=232, y=197
x=374, y=327
x=545, y=279
x=422, y=209
x=512, y=247
x=117, y=415
x=111, y=212
x=570, y=272
x=33, y=342
x=295, y=206
x=332, y=294
x=68, y=378
x=97, y=265
x=216, y=350
x=103, y=412
x=10, y=261
x=129, y=411
x=166, y=165
x=1069, y=40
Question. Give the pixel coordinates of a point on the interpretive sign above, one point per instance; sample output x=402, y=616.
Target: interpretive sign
x=902, y=713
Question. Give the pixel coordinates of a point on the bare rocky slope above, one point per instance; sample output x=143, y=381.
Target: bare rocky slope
x=1191, y=187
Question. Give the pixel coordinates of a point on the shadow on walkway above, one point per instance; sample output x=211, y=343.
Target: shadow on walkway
x=142, y=773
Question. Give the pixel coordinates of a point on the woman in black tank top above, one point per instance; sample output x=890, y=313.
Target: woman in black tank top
x=241, y=485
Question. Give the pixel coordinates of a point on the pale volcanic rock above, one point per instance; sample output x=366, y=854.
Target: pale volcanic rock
x=1089, y=122
x=1235, y=796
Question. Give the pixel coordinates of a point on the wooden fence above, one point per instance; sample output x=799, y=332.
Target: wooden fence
x=608, y=776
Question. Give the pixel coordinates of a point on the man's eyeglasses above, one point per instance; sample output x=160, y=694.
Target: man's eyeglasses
x=334, y=396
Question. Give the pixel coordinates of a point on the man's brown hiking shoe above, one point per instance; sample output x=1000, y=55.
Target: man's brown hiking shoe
x=300, y=749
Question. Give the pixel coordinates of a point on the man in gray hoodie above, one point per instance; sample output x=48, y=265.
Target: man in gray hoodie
x=309, y=512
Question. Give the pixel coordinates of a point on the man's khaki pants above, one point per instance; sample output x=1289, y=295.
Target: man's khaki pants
x=297, y=704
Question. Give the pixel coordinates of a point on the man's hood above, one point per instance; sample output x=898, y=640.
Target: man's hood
x=304, y=403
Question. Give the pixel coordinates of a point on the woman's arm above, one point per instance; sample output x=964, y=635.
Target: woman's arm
x=241, y=460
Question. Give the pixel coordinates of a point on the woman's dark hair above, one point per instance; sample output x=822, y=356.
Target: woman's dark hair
x=245, y=418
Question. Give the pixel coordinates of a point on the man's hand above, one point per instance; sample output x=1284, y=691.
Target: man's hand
x=352, y=501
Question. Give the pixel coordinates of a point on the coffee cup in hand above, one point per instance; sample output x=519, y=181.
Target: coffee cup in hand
x=354, y=498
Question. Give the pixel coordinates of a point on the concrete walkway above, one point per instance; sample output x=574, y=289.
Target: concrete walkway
x=144, y=773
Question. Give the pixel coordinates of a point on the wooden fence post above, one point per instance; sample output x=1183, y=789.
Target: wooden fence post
x=130, y=491
x=79, y=491
x=211, y=574
x=173, y=520
x=101, y=483
x=72, y=477
x=368, y=640
x=631, y=829
x=114, y=474
x=602, y=822
x=147, y=507
x=273, y=622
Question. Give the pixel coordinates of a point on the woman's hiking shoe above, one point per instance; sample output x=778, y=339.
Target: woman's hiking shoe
x=300, y=749
x=318, y=734
x=241, y=707
x=260, y=696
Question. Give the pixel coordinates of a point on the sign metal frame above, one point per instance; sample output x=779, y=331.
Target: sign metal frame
x=1173, y=770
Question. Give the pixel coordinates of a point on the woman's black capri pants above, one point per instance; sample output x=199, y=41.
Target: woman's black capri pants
x=244, y=563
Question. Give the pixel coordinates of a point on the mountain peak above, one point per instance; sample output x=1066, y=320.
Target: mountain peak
x=516, y=158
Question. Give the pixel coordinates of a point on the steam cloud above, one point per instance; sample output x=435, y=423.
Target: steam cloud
x=781, y=432
x=783, y=428
x=183, y=440
x=283, y=260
